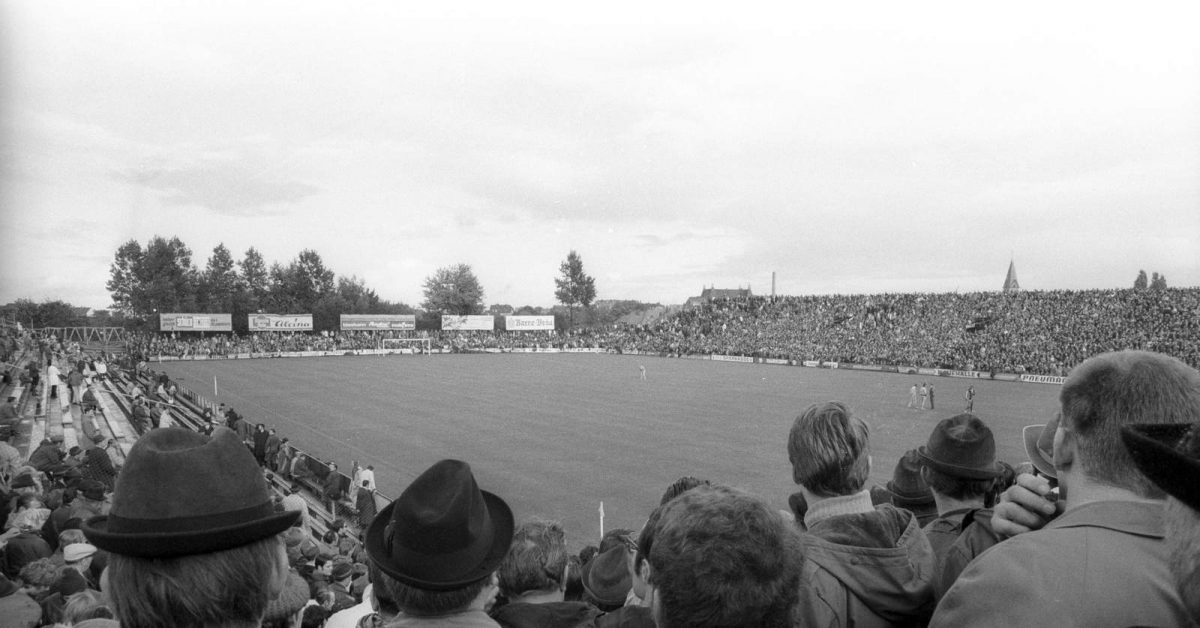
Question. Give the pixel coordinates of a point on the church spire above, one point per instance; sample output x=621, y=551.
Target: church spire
x=1010, y=282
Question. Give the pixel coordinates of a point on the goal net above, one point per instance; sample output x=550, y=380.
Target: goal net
x=412, y=345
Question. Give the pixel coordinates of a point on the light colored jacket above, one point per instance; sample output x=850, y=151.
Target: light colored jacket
x=1099, y=564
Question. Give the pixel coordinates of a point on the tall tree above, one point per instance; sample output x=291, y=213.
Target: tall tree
x=219, y=283
x=255, y=279
x=1159, y=282
x=167, y=277
x=123, y=283
x=1141, y=283
x=453, y=290
x=575, y=287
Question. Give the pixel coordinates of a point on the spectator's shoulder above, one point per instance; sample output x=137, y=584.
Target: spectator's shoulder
x=999, y=587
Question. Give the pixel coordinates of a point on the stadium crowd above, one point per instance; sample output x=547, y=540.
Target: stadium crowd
x=1044, y=333
x=1099, y=527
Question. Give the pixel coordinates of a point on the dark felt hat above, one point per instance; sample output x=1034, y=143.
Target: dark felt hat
x=443, y=533
x=606, y=577
x=1039, y=446
x=24, y=480
x=1168, y=454
x=183, y=493
x=906, y=488
x=962, y=447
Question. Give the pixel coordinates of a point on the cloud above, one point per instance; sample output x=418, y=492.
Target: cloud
x=225, y=188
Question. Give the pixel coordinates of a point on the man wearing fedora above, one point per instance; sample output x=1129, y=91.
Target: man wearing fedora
x=193, y=535
x=533, y=579
x=907, y=490
x=437, y=547
x=1102, y=561
x=1169, y=454
x=864, y=565
x=959, y=464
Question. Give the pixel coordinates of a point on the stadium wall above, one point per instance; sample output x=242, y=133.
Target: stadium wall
x=715, y=357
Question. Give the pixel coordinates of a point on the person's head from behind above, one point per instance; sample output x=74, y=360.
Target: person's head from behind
x=959, y=459
x=437, y=547
x=680, y=486
x=829, y=450
x=1112, y=390
x=193, y=535
x=723, y=557
x=536, y=561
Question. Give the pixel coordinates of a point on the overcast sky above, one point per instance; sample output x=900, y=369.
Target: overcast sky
x=876, y=147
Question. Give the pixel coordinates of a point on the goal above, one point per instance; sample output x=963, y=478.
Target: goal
x=415, y=345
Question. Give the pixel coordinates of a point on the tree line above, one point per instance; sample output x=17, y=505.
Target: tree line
x=161, y=277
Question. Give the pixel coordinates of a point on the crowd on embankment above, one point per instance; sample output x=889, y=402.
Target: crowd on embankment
x=1024, y=332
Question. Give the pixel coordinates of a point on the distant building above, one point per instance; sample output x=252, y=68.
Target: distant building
x=1010, y=282
x=708, y=294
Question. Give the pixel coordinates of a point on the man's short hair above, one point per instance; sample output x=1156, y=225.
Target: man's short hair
x=536, y=560
x=680, y=486
x=218, y=588
x=1123, y=388
x=723, y=557
x=956, y=487
x=425, y=603
x=829, y=450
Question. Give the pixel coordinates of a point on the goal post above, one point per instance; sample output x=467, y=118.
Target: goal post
x=414, y=345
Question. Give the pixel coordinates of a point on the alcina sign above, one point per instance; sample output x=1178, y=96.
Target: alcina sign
x=280, y=322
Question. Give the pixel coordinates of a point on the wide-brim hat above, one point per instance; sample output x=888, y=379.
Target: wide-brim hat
x=962, y=447
x=1039, y=446
x=443, y=533
x=606, y=576
x=1168, y=454
x=907, y=489
x=183, y=493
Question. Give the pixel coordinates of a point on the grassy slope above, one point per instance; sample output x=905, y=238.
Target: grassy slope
x=556, y=434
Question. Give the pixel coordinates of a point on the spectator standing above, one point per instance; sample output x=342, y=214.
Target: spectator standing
x=75, y=381
x=193, y=535
x=368, y=476
x=273, y=445
x=959, y=464
x=364, y=503
x=723, y=557
x=864, y=565
x=533, y=578
x=259, y=439
x=437, y=557
x=331, y=488
x=53, y=379
x=1106, y=548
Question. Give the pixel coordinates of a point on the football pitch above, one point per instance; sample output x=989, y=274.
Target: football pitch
x=556, y=434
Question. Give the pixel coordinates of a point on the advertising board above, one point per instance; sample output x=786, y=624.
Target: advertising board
x=174, y=321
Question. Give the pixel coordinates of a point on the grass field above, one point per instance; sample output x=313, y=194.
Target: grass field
x=554, y=434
